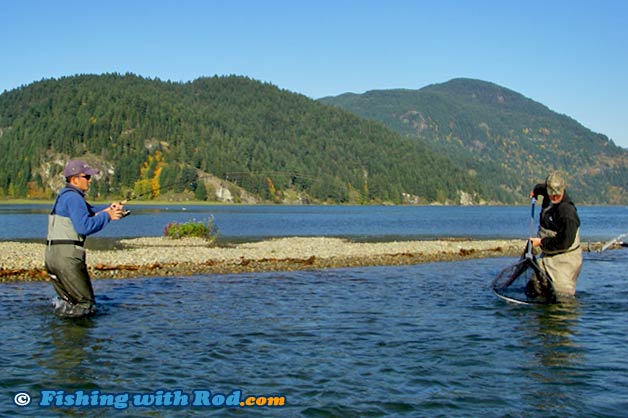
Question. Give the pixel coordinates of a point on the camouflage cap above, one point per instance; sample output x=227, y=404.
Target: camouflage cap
x=555, y=184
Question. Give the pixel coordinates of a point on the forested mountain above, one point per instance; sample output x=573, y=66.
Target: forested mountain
x=210, y=138
x=508, y=140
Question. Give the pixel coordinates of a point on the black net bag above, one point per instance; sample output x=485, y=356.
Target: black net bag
x=524, y=281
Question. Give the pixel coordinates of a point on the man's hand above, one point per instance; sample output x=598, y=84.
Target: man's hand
x=116, y=210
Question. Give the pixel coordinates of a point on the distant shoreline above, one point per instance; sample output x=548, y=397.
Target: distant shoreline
x=131, y=202
x=160, y=256
x=216, y=203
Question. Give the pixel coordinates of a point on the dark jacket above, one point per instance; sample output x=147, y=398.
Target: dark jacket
x=561, y=218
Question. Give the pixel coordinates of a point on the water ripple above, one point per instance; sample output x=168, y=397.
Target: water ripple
x=426, y=340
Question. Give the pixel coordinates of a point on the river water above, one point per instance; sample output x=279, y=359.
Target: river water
x=424, y=340
x=356, y=222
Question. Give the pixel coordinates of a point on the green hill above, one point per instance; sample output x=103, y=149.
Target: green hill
x=155, y=139
x=508, y=140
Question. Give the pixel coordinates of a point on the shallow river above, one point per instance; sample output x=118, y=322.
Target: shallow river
x=425, y=340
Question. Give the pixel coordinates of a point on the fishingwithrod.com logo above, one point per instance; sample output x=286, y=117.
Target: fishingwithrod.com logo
x=157, y=399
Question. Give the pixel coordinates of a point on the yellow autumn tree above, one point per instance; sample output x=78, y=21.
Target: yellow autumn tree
x=149, y=175
x=155, y=181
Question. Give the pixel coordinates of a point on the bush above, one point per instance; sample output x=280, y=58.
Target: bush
x=207, y=230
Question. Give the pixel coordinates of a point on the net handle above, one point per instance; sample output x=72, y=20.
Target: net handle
x=533, y=203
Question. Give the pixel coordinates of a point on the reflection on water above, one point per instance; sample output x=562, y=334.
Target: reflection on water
x=554, y=358
x=556, y=324
x=69, y=358
x=425, y=340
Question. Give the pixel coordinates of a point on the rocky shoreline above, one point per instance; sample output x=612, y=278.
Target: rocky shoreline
x=160, y=256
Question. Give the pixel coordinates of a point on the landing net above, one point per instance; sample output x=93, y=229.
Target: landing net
x=524, y=282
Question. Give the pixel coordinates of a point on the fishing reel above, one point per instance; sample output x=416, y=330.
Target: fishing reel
x=125, y=212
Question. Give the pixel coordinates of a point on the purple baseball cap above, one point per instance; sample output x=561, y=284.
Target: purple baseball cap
x=76, y=167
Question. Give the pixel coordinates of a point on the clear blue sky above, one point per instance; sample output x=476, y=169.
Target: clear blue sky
x=571, y=55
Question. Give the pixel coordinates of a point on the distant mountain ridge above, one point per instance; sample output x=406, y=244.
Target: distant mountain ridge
x=503, y=139
x=220, y=138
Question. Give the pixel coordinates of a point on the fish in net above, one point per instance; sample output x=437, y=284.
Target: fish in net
x=524, y=281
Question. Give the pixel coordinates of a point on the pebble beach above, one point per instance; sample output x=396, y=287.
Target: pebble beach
x=161, y=256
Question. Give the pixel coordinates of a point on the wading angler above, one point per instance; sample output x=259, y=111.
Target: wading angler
x=71, y=220
x=558, y=237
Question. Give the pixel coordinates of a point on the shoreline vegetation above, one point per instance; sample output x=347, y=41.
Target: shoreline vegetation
x=191, y=202
x=162, y=256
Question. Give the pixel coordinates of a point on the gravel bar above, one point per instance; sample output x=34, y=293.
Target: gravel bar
x=160, y=256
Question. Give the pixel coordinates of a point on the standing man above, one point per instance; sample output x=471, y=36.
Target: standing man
x=71, y=220
x=559, y=235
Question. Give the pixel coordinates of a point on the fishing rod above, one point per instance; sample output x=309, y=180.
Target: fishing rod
x=237, y=178
x=166, y=187
x=615, y=240
x=241, y=174
x=135, y=196
x=229, y=177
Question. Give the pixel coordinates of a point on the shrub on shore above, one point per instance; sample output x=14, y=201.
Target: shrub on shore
x=197, y=229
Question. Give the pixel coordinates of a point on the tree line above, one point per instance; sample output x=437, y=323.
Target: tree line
x=508, y=140
x=146, y=133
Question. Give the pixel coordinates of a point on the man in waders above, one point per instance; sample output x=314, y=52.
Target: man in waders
x=558, y=237
x=71, y=220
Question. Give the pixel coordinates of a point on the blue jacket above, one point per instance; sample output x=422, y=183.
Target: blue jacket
x=71, y=203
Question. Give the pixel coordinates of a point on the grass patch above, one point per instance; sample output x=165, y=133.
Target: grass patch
x=196, y=229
